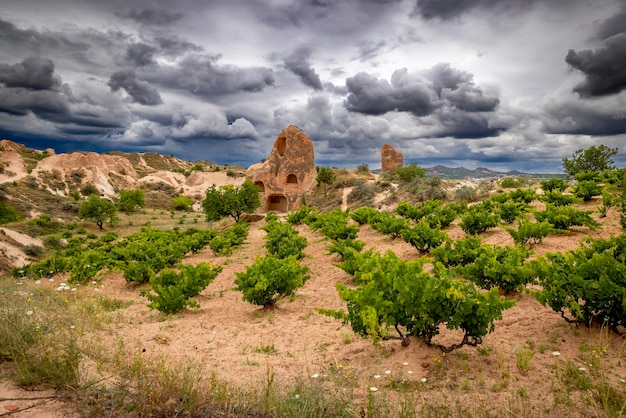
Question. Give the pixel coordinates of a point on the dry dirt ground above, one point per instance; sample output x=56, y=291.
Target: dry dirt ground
x=241, y=343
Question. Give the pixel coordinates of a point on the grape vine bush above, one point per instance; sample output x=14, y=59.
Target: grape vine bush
x=173, y=289
x=393, y=292
x=586, y=285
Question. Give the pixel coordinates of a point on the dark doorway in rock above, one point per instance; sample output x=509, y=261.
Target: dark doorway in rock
x=277, y=203
x=261, y=185
x=292, y=179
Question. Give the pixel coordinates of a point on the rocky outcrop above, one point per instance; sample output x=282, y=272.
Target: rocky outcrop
x=78, y=168
x=391, y=159
x=288, y=173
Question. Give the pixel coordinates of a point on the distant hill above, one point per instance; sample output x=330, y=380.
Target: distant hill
x=456, y=173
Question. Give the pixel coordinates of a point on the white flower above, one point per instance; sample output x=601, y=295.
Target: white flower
x=73, y=289
x=622, y=381
x=373, y=388
x=315, y=376
x=405, y=363
x=29, y=313
x=297, y=396
x=51, y=280
x=94, y=282
x=387, y=371
x=72, y=327
x=410, y=372
x=96, y=290
x=582, y=369
x=424, y=380
x=376, y=376
x=37, y=281
x=556, y=353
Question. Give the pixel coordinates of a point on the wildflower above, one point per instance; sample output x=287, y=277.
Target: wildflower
x=424, y=380
x=622, y=381
x=37, y=281
x=297, y=396
x=94, y=282
x=73, y=289
x=29, y=313
x=405, y=363
x=410, y=372
x=582, y=369
x=556, y=353
x=51, y=280
x=72, y=327
x=387, y=371
x=373, y=388
x=315, y=376
x=376, y=376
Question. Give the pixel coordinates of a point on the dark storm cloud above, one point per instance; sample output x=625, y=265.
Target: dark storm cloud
x=417, y=93
x=202, y=76
x=443, y=76
x=450, y=9
x=585, y=118
x=153, y=17
x=458, y=124
x=299, y=64
x=372, y=96
x=12, y=36
x=470, y=98
x=141, y=54
x=613, y=26
x=604, y=69
x=140, y=91
x=292, y=15
x=34, y=73
x=173, y=46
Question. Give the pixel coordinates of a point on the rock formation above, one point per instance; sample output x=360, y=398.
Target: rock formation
x=391, y=159
x=288, y=173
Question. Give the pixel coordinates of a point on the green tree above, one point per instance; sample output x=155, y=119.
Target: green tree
x=98, y=210
x=410, y=172
x=594, y=158
x=129, y=199
x=230, y=201
x=325, y=176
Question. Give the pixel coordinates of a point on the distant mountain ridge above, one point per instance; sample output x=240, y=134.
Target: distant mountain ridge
x=454, y=173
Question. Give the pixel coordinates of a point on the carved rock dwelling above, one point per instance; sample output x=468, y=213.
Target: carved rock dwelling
x=391, y=159
x=288, y=173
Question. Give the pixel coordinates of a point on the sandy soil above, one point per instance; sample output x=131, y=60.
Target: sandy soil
x=229, y=336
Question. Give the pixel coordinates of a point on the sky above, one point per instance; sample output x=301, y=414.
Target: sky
x=500, y=84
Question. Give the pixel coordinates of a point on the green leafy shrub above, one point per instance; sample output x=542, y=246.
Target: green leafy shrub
x=333, y=225
x=587, y=190
x=530, y=232
x=557, y=198
x=501, y=267
x=458, y=253
x=362, y=215
x=388, y=224
x=467, y=193
x=586, y=285
x=396, y=293
x=173, y=289
x=270, y=278
x=297, y=217
x=89, y=189
x=423, y=238
x=510, y=210
x=554, y=184
x=282, y=240
x=8, y=214
x=182, y=203
x=564, y=217
x=478, y=220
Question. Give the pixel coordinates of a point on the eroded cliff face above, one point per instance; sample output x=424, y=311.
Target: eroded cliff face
x=390, y=159
x=288, y=173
